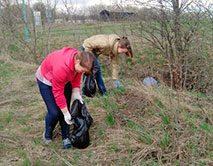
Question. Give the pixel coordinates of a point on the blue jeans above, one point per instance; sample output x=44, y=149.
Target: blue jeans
x=98, y=77
x=54, y=113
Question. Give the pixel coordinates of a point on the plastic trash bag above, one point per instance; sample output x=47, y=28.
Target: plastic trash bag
x=150, y=81
x=80, y=135
x=82, y=121
x=89, y=85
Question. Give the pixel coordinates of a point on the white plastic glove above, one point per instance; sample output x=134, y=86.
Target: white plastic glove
x=67, y=118
x=76, y=95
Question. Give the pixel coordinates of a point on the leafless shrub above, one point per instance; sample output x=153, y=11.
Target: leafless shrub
x=180, y=32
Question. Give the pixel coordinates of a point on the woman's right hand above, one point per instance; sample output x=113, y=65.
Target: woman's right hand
x=67, y=116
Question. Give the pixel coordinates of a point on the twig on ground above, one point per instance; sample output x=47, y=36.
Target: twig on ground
x=61, y=158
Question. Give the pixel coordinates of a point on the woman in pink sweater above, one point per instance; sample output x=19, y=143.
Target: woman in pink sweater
x=59, y=78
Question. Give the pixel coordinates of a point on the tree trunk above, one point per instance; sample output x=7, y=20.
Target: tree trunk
x=178, y=44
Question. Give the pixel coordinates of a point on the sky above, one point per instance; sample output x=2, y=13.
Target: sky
x=86, y=3
x=77, y=4
x=82, y=5
x=94, y=2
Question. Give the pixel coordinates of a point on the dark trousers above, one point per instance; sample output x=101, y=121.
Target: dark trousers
x=98, y=77
x=54, y=113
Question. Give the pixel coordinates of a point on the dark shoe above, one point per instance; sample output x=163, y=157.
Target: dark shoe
x=46, y=140
x=67, y=143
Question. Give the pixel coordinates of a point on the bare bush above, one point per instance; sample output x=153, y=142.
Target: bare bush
x=177, y=31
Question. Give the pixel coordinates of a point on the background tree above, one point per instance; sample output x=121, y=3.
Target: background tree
x=39, y=6
x=13, y=25
x=94, y=11
x=173, y=29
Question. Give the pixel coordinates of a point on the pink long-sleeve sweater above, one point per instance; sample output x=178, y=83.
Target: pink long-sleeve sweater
x=56, y=70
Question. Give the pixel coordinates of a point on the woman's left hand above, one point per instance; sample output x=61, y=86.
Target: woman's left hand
x=76, y=95
x=117, y=83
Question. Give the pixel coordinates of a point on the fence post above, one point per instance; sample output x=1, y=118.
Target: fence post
x=49, y=18
x=25, y=21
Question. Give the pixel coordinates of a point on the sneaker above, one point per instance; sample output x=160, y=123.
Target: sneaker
x=67, y=143
x=46, y=140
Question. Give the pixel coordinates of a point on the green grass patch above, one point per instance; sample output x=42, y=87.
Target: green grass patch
x=145, y=138
x=7, y=70
x=76, y=155
x=160, y=104
x=207, y=127
x=110, y=119
x=165, y=141
x=22, y=154
x=9, y=116
x=101, y=132
x=131, y=124
x=166, y=119
x=36, y=141
x=114, y=147
x=26, y=129
x=197, y=94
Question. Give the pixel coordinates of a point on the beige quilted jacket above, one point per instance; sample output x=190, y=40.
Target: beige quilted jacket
x=106, y=45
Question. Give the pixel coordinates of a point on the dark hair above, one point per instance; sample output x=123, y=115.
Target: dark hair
x=124, y=43
x=86, y=60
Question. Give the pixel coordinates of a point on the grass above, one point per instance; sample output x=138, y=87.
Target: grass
x=133, y=125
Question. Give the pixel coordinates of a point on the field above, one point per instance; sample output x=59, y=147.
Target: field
x=134, y=125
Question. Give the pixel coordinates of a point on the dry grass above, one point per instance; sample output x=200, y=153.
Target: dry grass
x=135, y=125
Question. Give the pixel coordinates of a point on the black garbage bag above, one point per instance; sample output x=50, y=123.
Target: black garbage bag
x=81, y=120
x=85, y=114
x=80, y=134
x=89, y=85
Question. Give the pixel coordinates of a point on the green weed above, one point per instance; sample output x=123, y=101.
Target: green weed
x=22, y=120
x=197, y=94
x=207, y=127
x=131, y=124
x=89, y=154
x=76, y=155
x=165, y=141
x=7, y=70
x=114, y=147
x=36, y=141
x=26, y=129
x=160, y=104
x=110, y=119
x=166, y=119
x=144, y=137
x=26, y=160
x=100, y=131
x=9, y=116
x=1, y=127
x=38, y=162
x=54, y=160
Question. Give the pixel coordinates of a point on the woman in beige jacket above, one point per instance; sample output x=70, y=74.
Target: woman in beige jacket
x=108, y=45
